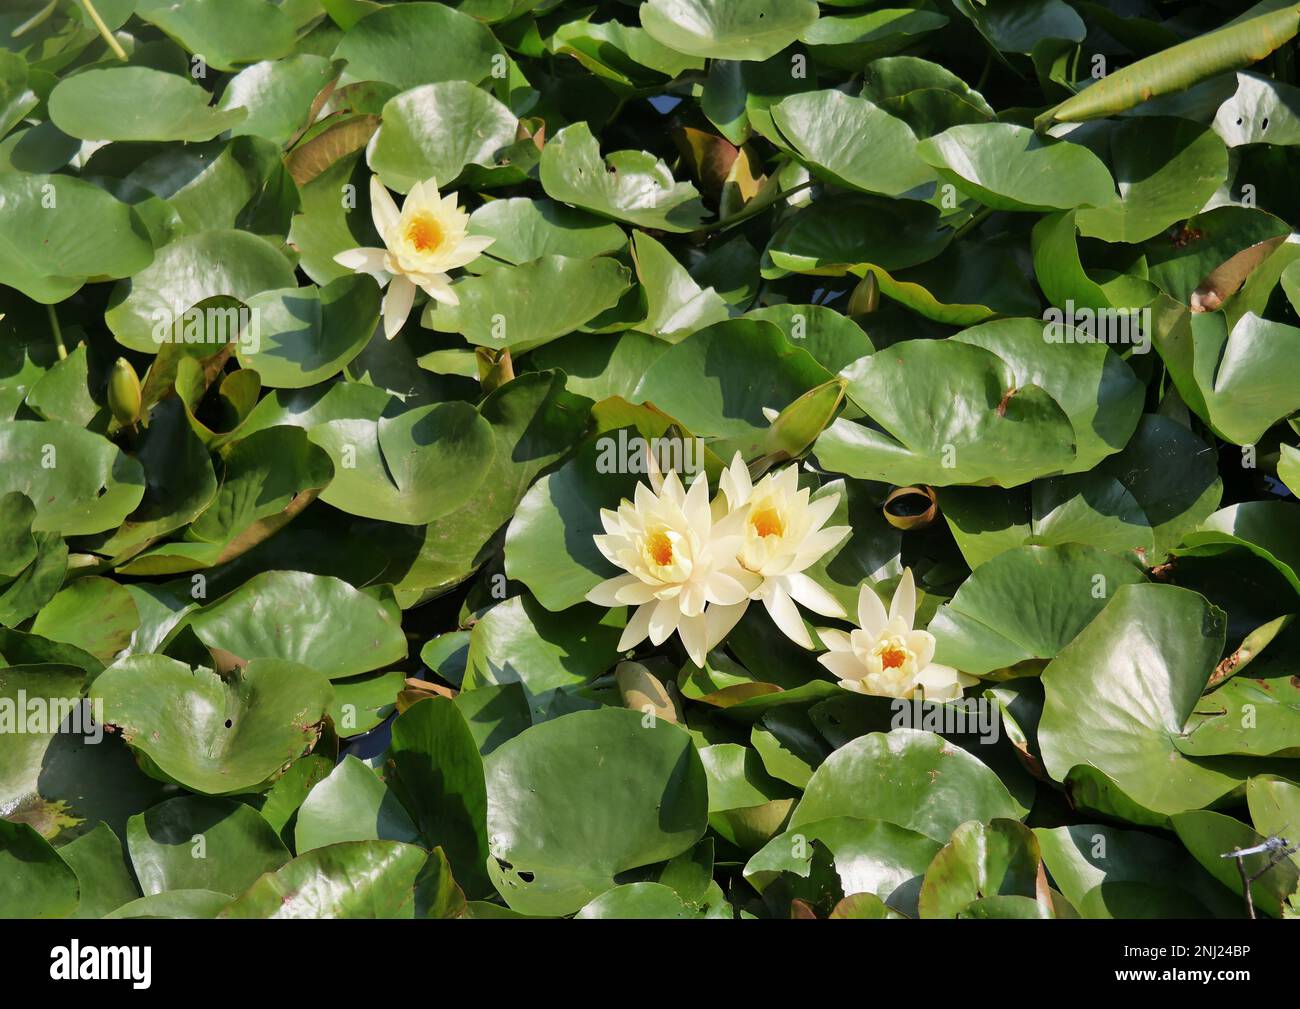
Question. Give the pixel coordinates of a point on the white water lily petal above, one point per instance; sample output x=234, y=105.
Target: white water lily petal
x=785, y=615
x=663, y=621
x=921, y=644
x=637, y=627
x=369, y=261
x=943, y=683
x=872, y=616
x=843, y=665
x=694, y=633
x=722, y=619
x=834, y=639
x=606, y=593
x=725, y=590
x=808, y=593
x=735, y=482
x=383, y=211
x=397, y=305
x=904, y=602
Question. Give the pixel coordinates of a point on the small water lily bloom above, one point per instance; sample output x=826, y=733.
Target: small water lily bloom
x=423, y=240
x=783, y=537
x=681, y=570
x=886, y=656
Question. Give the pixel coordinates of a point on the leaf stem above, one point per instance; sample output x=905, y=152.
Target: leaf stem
x=39, y=18
x=57, y=331
x=976, y=220
x=113, y=43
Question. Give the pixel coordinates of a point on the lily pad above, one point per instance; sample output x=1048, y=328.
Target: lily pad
x=304, y=619
x=558, y=826
x=1157, y=642
x=910, y=778
x=136, y=103
x=350, y=879
x=630, y=186
x=727, y=29
x=215, y=736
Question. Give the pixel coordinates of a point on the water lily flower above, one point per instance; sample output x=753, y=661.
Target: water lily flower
x=423, y=240
x=886, y=656
x=680, y=564
x=783, y=537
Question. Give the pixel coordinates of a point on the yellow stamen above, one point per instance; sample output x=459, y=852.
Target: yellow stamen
x=892, y=657
x=424, y=233
x=767, y=522
x=660, y=548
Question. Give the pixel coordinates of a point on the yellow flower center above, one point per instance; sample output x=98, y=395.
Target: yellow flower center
x=660, y=548
x=893, y=657
x=767, y=522
x=424, y=233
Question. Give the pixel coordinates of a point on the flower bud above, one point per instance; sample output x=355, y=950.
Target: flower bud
x=124, y=393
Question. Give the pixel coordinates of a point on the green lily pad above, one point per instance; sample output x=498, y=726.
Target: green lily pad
x=304, y=619
x=397, y=465
x=198, y=843
x=1100, y=393
x=410, y=44
x=94, y=614
x=727, y=29
x=852, y=142
x=350, y=879
x=1008, y=167
x=225, y=33
x=676, y=305
x=559, y=827
x=839, y=232
x=1157, y=189
x=519, y=641
x=524, y=230
x=136, y=103
x=215, y=736
x=145, y=309
x=277, y=95
x=718, y=380
x=34, y=881
x=352, y=804
x=630, y=186
x=80, y=482
x=1208, y=836
x=103, y=878
x=534, y=423
x=309, y=334
x=638, y=900
x=910, y=778
x=1018, y=27
x=178, y=904
x=956, y=414
x=870, y=856
x=1090, y=861
x=57, y=233
x=1026, y=603
x=434, y=131
x=981, y=861
x=66, y=777
x=1156, y=642
x=438, y=774
x=522, y=307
